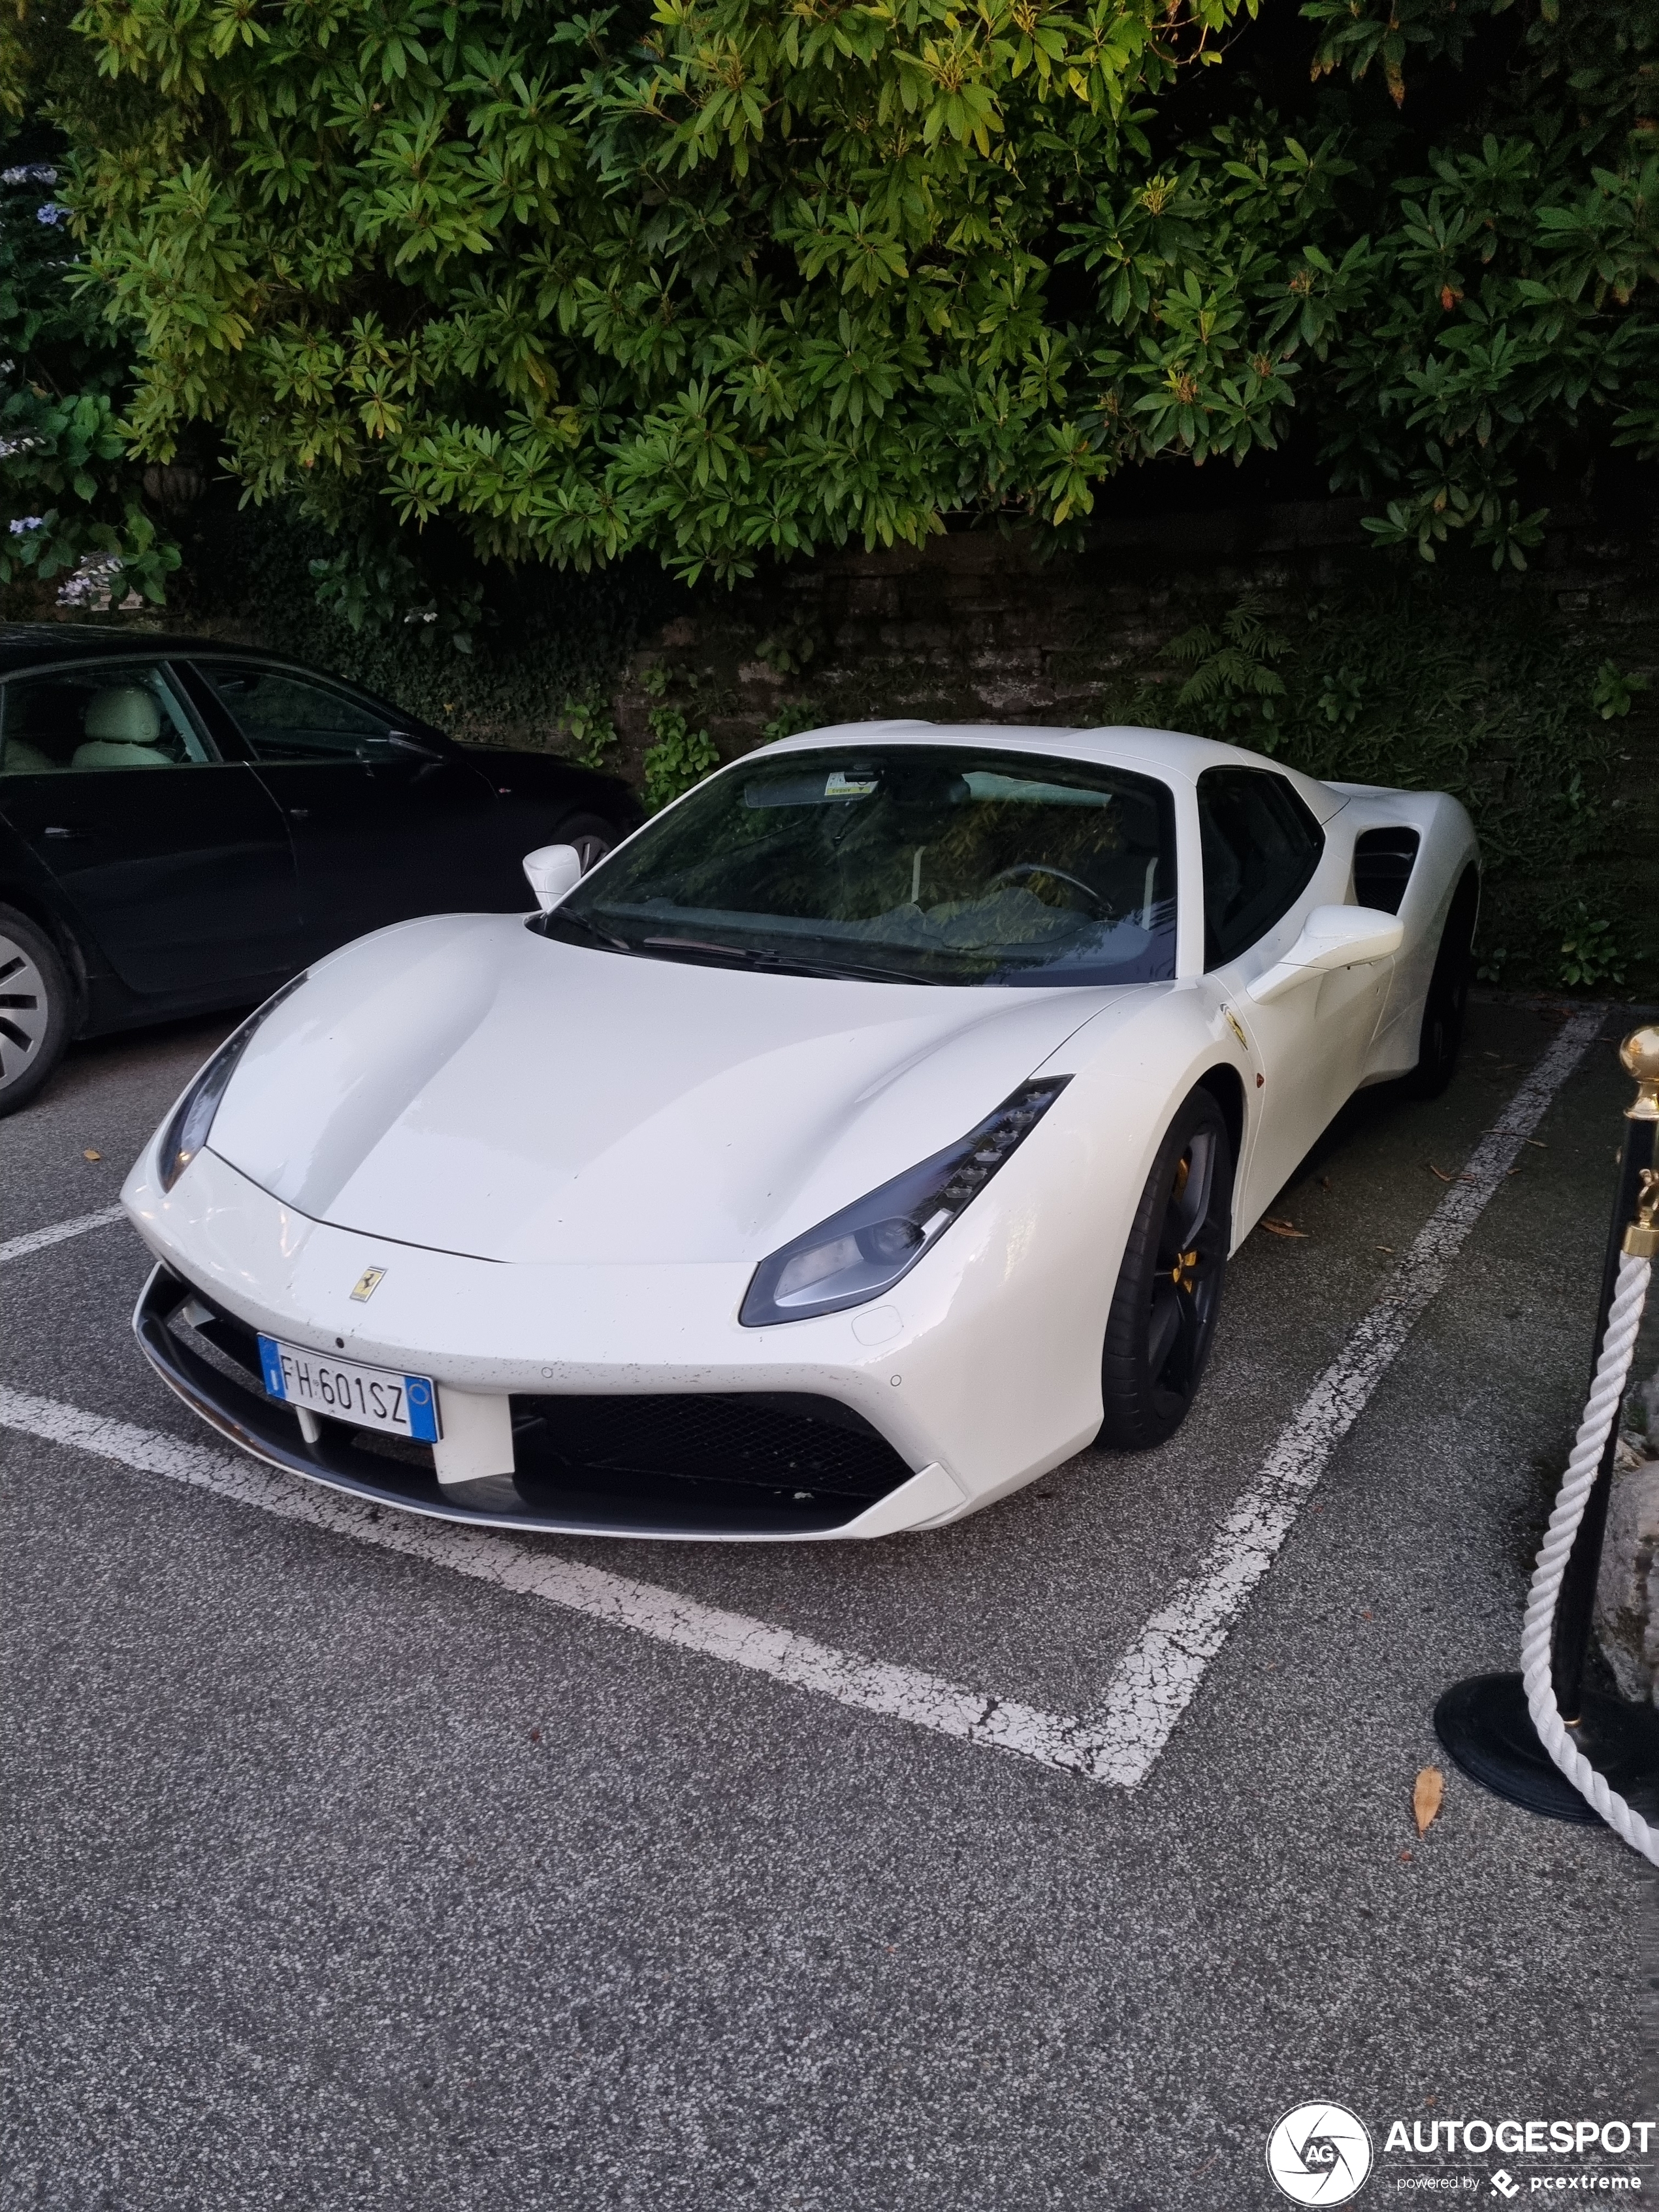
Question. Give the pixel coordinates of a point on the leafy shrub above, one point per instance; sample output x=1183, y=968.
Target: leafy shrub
x=1396, y=683
x=1402, y=683
x=373, y=582
x=1611, y=695
x=590, y=735
x=73, y=500
x=792, y=719
x=1235, y=686
x=679, y=758
x=1588, y=953
x=726, y=283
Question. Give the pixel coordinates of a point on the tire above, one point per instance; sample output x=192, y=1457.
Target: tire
x=1446, y=1001
x=592, y=835
x=1164, y=1310
x=37, y=1008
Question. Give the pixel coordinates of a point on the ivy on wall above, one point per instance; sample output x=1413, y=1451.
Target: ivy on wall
x=1470, y=690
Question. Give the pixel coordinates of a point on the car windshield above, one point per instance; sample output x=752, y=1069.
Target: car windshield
x=929, y=864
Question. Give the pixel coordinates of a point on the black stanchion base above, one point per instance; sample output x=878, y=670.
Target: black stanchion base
x=1487, y=1731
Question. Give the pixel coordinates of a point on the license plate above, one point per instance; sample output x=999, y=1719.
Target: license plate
x=340, y=1390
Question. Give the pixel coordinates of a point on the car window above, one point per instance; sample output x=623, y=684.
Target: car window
x=937, y=863
x=289, y=718
x=1260, y=847
x=123, y=714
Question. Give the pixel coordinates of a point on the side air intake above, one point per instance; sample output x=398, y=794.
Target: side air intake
x=1382, y=864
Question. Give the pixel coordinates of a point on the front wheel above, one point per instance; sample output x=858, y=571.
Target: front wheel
x=37, y=1008
x=1164, y=1310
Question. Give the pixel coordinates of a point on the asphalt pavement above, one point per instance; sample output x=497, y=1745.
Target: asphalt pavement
x=333, y=1878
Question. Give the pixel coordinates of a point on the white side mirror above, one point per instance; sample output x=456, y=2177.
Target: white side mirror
x=1332, y=937
x=554, y=870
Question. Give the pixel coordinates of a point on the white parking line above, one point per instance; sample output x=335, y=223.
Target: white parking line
x=1156, y=1681
x=36, y=1240
x=900, y=1692
x=1119, y=1741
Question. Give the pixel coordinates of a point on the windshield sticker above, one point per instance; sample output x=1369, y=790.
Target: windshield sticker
x=848, y=784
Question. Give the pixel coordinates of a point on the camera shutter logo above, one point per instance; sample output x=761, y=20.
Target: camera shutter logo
x=1320, y=2153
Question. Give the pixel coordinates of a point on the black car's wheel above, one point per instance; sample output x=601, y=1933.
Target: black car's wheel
x=592, y=835
x=1447, y=996
x=1169, y=1292
x=37, y=1008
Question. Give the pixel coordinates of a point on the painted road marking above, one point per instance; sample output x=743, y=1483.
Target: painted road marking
x=1156, y=1679
x=901, y=1693
x=1117, y=1743
x=36, y=1240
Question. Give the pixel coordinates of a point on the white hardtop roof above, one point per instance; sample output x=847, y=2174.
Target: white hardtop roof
x=1171, y=754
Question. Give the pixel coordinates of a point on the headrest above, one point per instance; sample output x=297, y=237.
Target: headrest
x=124, y=716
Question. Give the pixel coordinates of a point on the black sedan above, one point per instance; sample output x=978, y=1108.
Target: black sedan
x=184, y=824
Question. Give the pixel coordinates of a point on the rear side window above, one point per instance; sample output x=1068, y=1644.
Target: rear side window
x=1261, y=848
x=101, y=715
x=286, y=718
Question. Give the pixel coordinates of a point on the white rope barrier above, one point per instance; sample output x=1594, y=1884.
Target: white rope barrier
x=1606, y=1393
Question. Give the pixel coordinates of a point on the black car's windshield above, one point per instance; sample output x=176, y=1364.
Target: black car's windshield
x=931, y=864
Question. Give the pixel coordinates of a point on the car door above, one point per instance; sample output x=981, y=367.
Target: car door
x=171, y=860
x=385, y=825
x=1265, y=866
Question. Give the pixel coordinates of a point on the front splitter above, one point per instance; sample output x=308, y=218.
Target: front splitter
x=270, y=1432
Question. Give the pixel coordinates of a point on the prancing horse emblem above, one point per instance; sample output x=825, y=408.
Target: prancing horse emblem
x=367, y=1284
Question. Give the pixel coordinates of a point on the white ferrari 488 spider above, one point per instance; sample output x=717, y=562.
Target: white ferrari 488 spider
x=857, y=1141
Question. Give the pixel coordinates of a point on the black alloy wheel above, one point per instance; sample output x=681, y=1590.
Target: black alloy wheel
x=592, y=835
x=1164, y=1312
x=37, y=1008
x=1447, y=996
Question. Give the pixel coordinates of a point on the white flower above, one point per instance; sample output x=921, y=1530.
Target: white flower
x=90, y=586
x=27, y=522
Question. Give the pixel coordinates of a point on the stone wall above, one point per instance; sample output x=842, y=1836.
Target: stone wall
x=976, y=625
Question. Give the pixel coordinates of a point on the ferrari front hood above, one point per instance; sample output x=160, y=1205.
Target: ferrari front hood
x=464, y=1083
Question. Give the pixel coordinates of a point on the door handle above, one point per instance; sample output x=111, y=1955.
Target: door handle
x=67, y=833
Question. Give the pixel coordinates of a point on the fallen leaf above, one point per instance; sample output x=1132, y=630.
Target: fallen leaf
x=535, y=1736
x=1406, y=1855
x=1427, y=1796
x=1441, y=1172
x=1280, y=1228
x=90, y=1155
x=1388, y=1248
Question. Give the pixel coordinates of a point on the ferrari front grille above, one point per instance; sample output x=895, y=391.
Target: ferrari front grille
x=794, y=1444
x=750, y=1464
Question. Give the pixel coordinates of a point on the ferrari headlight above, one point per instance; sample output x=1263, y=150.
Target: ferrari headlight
x=864, y=1249
x=192, y=1117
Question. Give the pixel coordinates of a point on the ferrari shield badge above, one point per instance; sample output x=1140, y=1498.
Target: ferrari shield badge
x=367, y=1284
